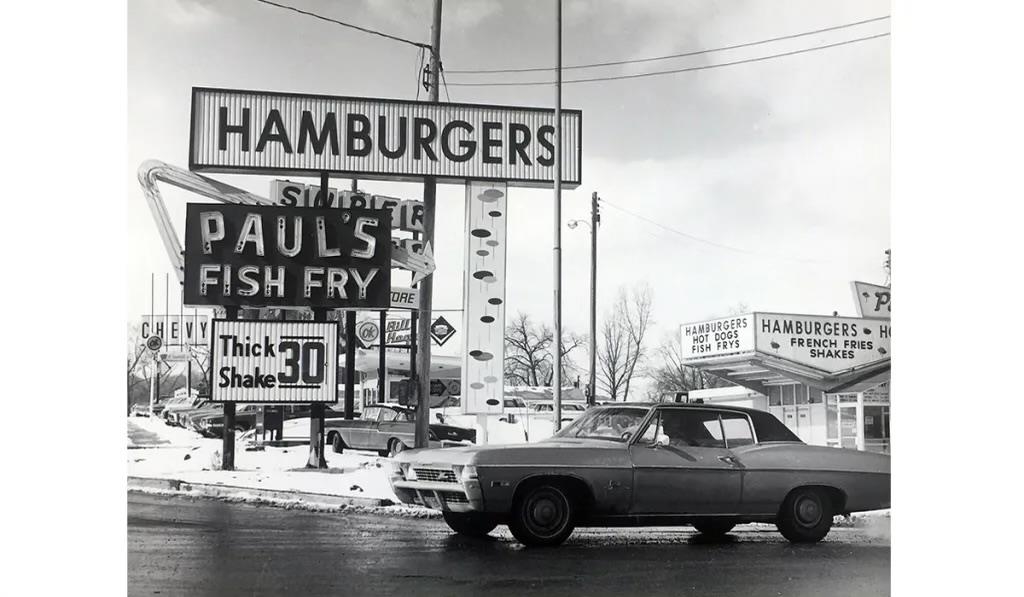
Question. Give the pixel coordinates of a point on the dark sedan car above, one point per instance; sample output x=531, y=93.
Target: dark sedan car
x=389, y=429
x=709, y=466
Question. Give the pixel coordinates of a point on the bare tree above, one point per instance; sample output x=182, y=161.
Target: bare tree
x=671, y=375
x=526, y=348
x=637, y=317
x=622, y=351
x=528, y=359
x=612, y=355
x=570, y=341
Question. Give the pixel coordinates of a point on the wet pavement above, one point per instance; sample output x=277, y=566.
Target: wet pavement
x=185, y=546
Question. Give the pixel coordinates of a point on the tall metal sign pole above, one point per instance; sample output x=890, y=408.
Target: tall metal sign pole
x=426, y=286
x=557, y=377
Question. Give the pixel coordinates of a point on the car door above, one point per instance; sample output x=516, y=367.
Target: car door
x=356, y=432
x=692, y=472
x=380, y=433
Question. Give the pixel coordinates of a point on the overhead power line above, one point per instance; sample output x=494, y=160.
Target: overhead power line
x=677, y=70
x=349, y=25
x=710, y=242
x=671, y=56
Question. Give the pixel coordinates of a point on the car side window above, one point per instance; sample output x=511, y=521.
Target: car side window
x=370, y=414
x=693, y=428
x=387, y=415
x=737, y=430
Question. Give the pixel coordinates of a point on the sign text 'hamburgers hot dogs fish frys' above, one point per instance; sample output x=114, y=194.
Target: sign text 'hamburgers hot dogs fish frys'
x=253, y=256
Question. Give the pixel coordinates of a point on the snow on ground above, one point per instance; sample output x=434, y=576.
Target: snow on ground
x=189, y=457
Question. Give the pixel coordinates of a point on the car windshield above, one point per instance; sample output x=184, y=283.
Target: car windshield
x=617, y=423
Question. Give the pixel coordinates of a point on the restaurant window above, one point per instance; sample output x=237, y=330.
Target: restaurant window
x=788, y=398
x=775, y=396
x=832, y=416
x=816, y=396
x=801, y=394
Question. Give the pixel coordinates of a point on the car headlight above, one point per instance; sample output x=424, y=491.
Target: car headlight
x=465, y=473
x=397, y=469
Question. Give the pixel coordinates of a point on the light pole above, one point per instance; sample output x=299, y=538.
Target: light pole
x=593, y=224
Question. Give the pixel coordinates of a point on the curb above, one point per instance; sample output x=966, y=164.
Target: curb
x=268, y=495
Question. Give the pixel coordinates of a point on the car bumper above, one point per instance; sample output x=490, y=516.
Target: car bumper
x=464, y=496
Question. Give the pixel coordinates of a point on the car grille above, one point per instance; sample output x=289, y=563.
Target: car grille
x=455, y=498
x=437, y=475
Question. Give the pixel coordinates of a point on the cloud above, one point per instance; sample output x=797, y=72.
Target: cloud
x=191, y=14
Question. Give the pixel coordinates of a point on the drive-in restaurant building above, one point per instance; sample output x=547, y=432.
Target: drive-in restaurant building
x=825, y=377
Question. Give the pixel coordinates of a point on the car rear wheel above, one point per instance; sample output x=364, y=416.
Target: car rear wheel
x=337, y=444
x=542, y=516
x=714, y=527
x=395, y=446
x=470, y=524
x=806, y=515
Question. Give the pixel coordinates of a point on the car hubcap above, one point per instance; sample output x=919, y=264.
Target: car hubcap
x=546, y=514
x=808, y=511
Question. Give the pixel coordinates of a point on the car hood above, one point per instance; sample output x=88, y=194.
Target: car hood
x=549, y=451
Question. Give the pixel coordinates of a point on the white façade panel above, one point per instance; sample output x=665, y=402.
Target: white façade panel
x=483, y=301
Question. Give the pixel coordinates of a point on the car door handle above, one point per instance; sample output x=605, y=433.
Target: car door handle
x=729, y=460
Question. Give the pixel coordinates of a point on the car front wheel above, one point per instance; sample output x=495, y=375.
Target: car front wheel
x=806, y=515
x=470, y=524
x=542, y=516
x=714, y=527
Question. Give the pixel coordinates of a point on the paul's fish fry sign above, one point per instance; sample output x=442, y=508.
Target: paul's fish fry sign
x=254, y=256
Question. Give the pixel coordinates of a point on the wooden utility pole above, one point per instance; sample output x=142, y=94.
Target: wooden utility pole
x=595, y=218
x=426, y=285
x=227, y=459
x=317, y=458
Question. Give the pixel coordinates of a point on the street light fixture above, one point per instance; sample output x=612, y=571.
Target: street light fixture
x=595, y=220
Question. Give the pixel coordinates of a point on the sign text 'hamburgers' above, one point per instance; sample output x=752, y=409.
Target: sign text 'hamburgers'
x=261, y=132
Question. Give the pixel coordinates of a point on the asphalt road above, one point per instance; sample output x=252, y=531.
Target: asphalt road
x=181, y=546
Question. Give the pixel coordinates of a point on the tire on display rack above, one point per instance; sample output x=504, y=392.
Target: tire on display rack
x=543, y=515
x=806, y=515
x=337, y=443
x=714, y=527
x=470, y=524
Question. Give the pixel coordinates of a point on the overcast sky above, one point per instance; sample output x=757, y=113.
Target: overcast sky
x=785, y=159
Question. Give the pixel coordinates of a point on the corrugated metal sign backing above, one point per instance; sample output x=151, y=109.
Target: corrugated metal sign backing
x=302, y=357
x=241, y=138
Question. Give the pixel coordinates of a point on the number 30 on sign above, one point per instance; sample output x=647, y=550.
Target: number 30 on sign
x=274, y=361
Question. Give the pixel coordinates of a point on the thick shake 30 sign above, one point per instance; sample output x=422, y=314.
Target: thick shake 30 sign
x=274, y=361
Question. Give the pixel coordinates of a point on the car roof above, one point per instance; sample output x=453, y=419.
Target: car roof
x=683, y=405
